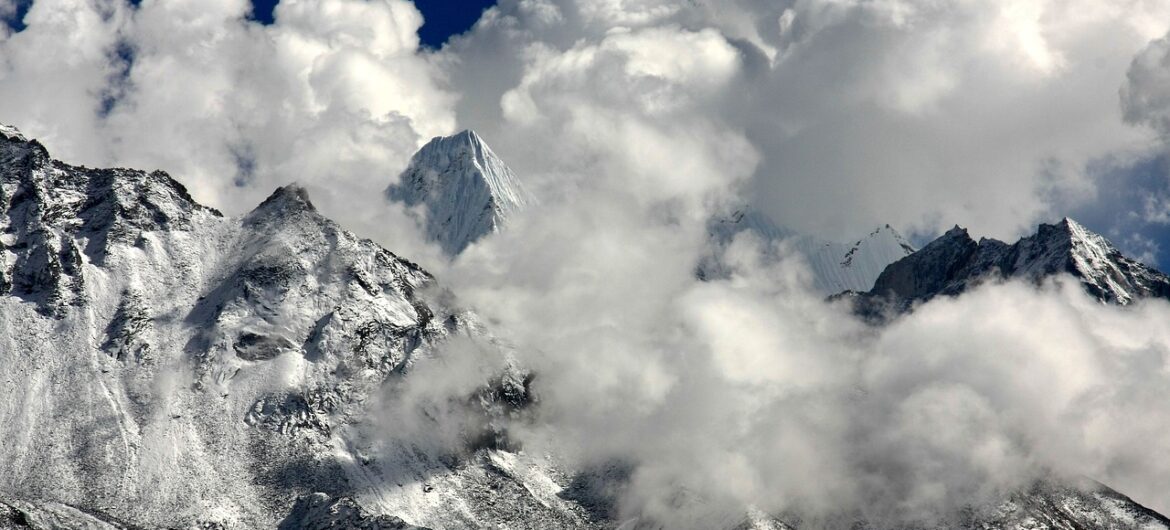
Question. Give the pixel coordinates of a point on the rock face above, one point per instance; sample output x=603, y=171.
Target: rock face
x=954, y=262
x=835, y=267
x=464, y=189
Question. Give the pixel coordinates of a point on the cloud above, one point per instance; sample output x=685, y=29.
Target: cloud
x=1146, y=94
x=913, y=113
x=335, y=95
x=755, y=391
x=633, y=88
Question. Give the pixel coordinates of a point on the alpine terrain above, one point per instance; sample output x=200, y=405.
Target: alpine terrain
x=165, y=366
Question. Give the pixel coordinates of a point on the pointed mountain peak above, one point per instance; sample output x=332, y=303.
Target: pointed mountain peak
x=290, y=196
x=897, y=237
x=465, y=190
x=1074, y=230
x=286, y=201
x=888, y=231
x=923, y=273
x=1071, y=238
x=955, y=237
x=467, y=135
x=956, y=232
x=1066, y=228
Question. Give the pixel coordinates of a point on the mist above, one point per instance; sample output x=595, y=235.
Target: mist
x=755, y=391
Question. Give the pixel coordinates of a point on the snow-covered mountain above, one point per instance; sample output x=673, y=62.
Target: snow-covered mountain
x=835, y=267
x=464, y=189
x=165, y=366
x=162, y=365
x=955, y=262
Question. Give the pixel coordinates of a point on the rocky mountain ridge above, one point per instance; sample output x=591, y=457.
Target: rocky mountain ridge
x=954, y=263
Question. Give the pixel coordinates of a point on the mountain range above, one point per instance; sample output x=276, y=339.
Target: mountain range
x=165, y=366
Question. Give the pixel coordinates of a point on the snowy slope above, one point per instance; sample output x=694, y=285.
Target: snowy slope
x=835, y=267
x=464, y=189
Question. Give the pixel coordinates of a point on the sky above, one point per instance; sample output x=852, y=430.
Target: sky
x=441, y=18
x=634, y=123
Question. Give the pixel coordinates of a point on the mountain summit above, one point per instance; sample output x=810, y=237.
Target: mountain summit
x=954, y=262
x=466, y=190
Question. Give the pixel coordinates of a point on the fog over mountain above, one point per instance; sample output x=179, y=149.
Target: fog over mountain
x=622, y=264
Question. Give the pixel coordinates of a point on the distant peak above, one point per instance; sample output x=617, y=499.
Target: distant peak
x=951, y=264
x=467, y=190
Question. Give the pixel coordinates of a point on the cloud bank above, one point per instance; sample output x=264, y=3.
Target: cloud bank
x=755, y=391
